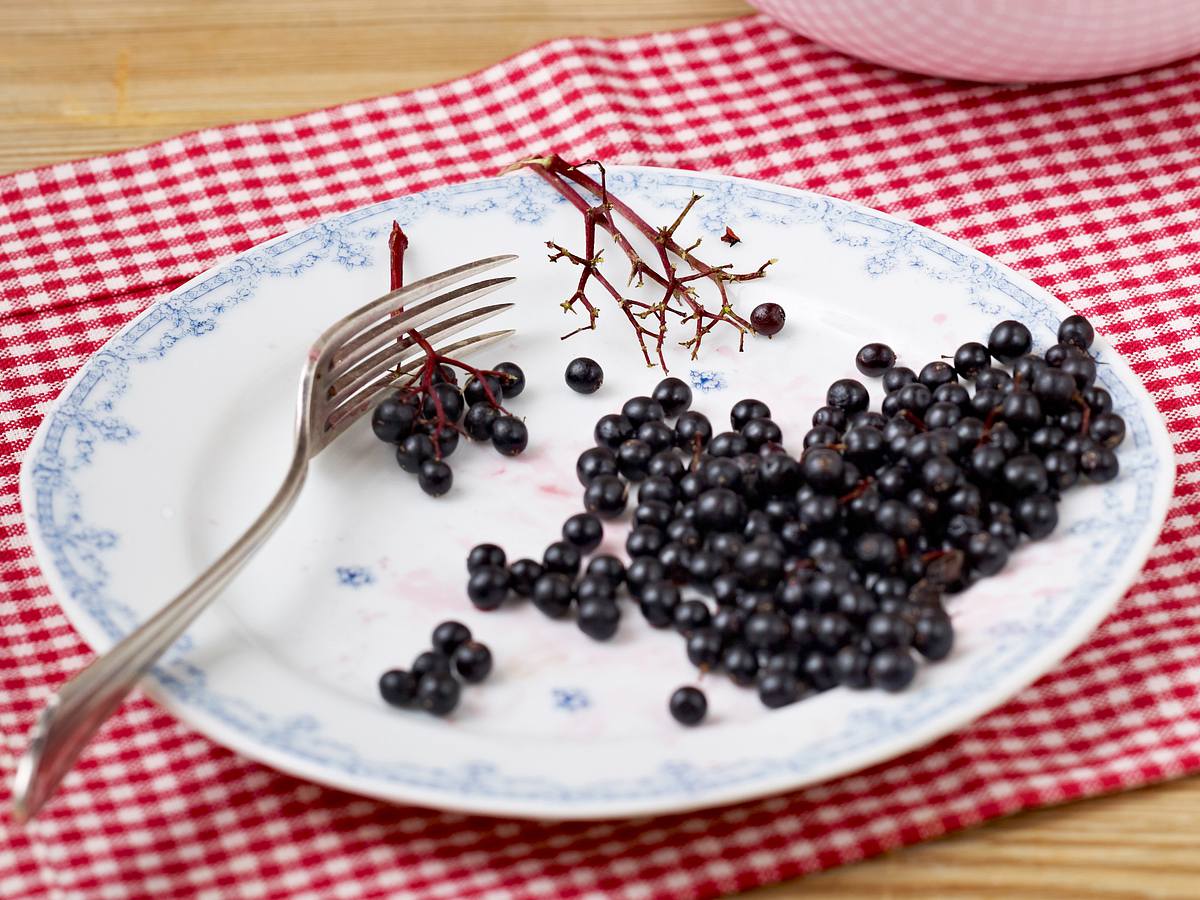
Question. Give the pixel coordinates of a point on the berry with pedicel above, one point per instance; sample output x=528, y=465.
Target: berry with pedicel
x=451, y=398
x=609, y=568
x=971, y=358
x=584, y=375
x=874, y=359
x=1077, y=331
x=476, y=390
x=693, y=431
x=522, y=574
x=512, y=379
x=849, y=395
x=768, y=319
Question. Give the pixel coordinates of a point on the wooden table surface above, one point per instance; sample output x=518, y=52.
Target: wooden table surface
x=85, y=77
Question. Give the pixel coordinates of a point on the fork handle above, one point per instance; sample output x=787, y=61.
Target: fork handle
x=75, y=713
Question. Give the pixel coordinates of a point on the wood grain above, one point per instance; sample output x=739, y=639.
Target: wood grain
x=86, y=77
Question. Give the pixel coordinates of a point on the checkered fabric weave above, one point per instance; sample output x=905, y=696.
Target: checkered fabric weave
x=1091, y=189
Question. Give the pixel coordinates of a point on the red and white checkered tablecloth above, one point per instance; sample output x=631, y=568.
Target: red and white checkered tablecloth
x=1092, y=189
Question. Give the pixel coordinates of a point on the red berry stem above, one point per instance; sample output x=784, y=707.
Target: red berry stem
x=569, y=180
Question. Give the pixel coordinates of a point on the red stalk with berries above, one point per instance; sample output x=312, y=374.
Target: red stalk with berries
x=425, y=417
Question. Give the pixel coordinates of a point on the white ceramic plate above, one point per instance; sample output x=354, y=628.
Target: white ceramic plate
x=171, y=438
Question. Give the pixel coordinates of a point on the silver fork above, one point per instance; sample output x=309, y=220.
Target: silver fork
x=357, y=359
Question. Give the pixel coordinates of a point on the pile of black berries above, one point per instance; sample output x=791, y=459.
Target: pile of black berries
x=424, y=435
x=794, y=574
x=431, y=683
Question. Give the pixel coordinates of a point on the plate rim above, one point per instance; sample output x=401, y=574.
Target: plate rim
x=251, y=747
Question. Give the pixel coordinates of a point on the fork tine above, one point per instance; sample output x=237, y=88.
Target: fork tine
x=392, y=326
x=336, y=334
x=361, y=374
x=340, y=418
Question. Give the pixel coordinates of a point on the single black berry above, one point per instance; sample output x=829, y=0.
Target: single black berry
x=435, y=477
x=874, y=359
x=607, y=567
x=522, y=574
x=476, y=390
x=478, y=421
x=487, y=587
x=512, y=379
x=485, y=555
x=449, y=635
x=971, y=358
x=392, y=420
x=688, y=706
x=768, y=319
x=552, y=594
x=897, y=377
x=599, y=617
x=693, y=431
x=1076, y=330
x=563, y=557
x=438, y=693
x=745, y=410
x=584, y=531
x=451, y=399
x=674, y=395
x=584, y=375
x=612, y=430
x=642, y=409
x=633, y=457
x=397, y=687
x=606, y=496
x=414, y=450
x=593, y=462
x=776, y=689
x=472, y=661
x=1009, y=340
x=509, y=435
